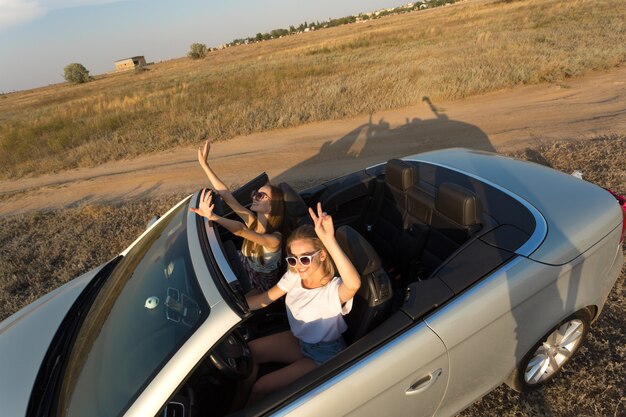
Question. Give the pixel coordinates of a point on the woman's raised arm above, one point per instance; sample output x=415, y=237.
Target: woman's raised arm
x=206, y=209
x=218, y=185
x=325, y=230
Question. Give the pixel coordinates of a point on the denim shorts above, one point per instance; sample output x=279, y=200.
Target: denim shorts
x=322, y=351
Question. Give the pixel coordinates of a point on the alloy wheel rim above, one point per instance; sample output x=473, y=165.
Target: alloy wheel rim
x=554, y=352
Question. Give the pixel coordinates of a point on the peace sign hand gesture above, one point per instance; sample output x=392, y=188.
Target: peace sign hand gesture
x=206, y=206
x=323, y=222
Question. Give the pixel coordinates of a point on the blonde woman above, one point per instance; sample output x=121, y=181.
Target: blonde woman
x=262, y=225
x=318, y=295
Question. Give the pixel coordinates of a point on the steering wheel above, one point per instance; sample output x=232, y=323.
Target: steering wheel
x=233, y=357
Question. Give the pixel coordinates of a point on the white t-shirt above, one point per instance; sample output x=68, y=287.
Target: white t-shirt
x=315, y=315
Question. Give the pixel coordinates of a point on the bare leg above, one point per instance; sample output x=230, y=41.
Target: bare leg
x=280, y=379
x=280, y=347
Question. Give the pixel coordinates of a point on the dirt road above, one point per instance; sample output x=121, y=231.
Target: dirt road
x=579, y=108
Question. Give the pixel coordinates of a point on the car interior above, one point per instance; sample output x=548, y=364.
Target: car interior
x=418, y=234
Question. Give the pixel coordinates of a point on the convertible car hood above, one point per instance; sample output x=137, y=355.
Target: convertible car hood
x=23, y=346
x=577, y=213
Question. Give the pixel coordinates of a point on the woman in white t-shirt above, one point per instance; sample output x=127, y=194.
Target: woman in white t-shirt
x=317, y=298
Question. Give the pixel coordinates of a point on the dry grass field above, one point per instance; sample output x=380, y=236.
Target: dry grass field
x=445, y=53
x=41, y=251
x=448, y=53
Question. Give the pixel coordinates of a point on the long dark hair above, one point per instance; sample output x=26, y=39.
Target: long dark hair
x=275, y=223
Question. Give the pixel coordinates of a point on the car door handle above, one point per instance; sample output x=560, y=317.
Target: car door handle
x=424, y=383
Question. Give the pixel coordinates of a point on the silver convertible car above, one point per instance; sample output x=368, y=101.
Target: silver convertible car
x=476, y=270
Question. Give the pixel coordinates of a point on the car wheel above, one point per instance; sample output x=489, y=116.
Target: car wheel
x=548, y=356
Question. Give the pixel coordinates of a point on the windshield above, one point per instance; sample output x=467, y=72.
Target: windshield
x=144, y=312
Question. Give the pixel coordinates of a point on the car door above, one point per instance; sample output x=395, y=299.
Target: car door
x=405, y=377
x=485, y=328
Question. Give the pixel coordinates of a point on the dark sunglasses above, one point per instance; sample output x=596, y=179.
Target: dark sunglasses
x=305, y=260
x=259, y=195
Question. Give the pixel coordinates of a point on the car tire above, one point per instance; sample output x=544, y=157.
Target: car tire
x=548, y=356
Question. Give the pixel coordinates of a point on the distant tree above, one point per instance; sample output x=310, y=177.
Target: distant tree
x=197, y=51
x=277, y=33
x=76, y=73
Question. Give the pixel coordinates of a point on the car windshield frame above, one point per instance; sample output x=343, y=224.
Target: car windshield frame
x=219, y=257
x=149, y=305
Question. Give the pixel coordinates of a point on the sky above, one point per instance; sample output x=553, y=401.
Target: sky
x=38, y=38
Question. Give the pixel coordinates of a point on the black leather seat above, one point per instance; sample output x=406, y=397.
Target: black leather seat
x=455, y=219
x=420, y=207
x=297, y=212
x=391, y=210
x=372, y=301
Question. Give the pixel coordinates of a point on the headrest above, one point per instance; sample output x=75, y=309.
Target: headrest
x=294, y=203
x=359, y=251
x=458, y=204
x=399, y=174
x=420, y=205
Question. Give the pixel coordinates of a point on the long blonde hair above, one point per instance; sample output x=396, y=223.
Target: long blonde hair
x=307, y=232
x=275, y=223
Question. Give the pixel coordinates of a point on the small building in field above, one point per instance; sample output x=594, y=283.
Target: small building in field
x=130, y=63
